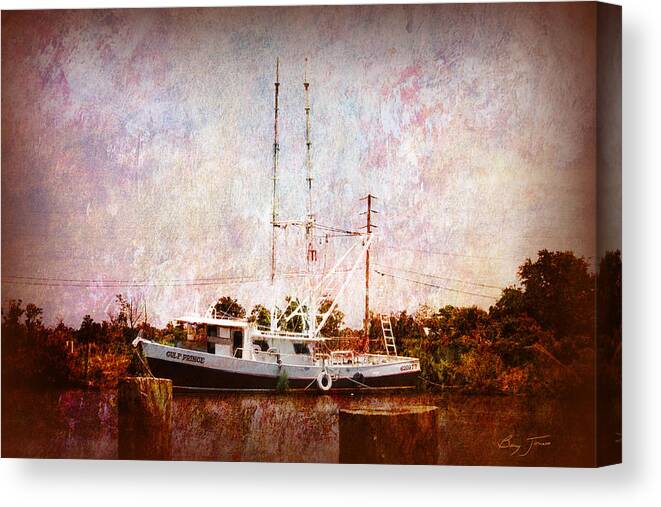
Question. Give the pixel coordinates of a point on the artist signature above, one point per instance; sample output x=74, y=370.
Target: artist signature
x=524, y=448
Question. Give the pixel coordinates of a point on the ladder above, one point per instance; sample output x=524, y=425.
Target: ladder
x=388, y=337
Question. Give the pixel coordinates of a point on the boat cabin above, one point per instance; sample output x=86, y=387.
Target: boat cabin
x=223, y=337
x=241, y=339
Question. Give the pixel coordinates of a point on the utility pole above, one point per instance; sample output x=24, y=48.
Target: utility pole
x=368, y=227
x=276, y=154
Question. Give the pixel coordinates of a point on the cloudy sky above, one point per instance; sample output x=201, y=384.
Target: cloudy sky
x=136, y=146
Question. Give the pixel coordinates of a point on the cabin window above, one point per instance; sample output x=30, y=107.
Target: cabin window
x=261, y=344
x=301, y=348
x=212, y=331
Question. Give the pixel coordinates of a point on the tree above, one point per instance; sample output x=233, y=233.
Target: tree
x=89, y=330
x=292, y=319
x=609, y=322
x=227, y=307
x=131, y=311
x=609, y=294
x=33, y=317
x=514, y=337
x=11, y=317
x=512, y=303
x=558, y=292
x=87, y=334
x=334, y=321
x=261, y=316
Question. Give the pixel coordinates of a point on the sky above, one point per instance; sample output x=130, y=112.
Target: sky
x=137, y=147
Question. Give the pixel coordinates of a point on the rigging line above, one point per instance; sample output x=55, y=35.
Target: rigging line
x=348, y=232
x=338, y=235
x=434, y=285
x=337, y=229
x=485, y=285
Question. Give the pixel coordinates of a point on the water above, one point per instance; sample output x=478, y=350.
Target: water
x=474, y=430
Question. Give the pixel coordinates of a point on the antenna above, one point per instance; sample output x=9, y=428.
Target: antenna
x=276, y=154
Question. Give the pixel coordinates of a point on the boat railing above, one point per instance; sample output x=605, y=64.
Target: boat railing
x=334, y=358
x=287, y=335
x=276, y=355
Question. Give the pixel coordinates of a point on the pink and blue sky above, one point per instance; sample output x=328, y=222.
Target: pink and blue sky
x=136, y=145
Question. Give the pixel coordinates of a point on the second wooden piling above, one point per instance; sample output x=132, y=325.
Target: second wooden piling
x=404, y=435
x=144, y=407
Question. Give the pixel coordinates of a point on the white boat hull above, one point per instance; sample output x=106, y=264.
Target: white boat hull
x=197, y=369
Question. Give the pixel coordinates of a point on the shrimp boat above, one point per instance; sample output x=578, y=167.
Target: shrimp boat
x=221, y=352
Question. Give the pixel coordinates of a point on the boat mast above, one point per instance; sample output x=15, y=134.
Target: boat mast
x=276, y=154
x=309, y=223
x=309, y=226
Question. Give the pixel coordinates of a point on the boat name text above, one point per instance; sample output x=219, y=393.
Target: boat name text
x=184, y=357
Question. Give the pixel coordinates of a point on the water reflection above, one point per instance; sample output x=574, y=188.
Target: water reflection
x=474, y=430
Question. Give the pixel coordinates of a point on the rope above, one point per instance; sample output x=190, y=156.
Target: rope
x=430, y=382
x=144, y=363
x=310, y=384
x=359, y=383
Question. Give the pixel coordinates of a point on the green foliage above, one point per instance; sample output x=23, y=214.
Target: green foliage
x=292, y=319
x=558, y=292
x=261, y=316
x=334, y=321
x=171, y=335
x=12, y=315
x=228, y=307
x=609, y=294
x=537, y=338
x=89, y=331
x=283, y=382
x=609, y=322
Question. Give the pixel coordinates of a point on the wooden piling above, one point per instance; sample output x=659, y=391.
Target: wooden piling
x=144, y=406
x=405, y=435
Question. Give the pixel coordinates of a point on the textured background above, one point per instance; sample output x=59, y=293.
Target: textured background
x=136, y=145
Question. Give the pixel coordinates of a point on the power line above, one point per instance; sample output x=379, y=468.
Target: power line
x=485, y=285
x=118, y=284
x=111, y=280
x=448, y=254
x=435, y=285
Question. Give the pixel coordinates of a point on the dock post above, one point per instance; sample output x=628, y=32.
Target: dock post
x=405, y=435
x=144, y=407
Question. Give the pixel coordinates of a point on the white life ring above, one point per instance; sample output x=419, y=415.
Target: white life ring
x=324, y=381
